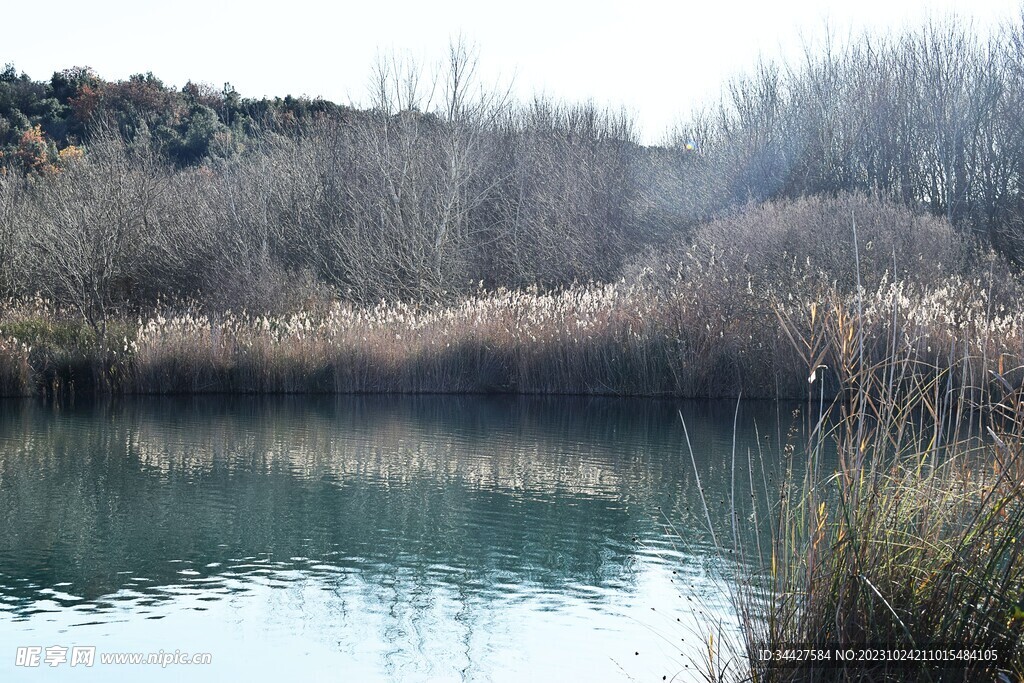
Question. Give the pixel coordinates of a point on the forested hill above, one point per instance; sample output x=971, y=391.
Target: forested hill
x=190, y=125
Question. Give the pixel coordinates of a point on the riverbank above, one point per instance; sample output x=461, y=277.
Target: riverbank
x=653, y=335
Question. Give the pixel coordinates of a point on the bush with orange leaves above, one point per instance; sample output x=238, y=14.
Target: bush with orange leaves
x=37, y=153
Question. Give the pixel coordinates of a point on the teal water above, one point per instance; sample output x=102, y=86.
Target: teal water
x=364, y=538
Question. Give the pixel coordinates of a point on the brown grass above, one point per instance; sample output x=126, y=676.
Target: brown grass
x=703, y=332
x=910, y=536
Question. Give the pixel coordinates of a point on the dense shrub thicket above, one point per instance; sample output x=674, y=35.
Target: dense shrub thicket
x=407, y=200
x=117, y=194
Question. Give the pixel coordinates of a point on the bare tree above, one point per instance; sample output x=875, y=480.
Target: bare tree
x=89, y=226
x=11, y=197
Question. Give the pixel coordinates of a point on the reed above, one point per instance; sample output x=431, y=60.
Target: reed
x=902, y=524
x=696, y=333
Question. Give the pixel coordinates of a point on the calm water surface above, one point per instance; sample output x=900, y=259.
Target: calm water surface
x=363, y=539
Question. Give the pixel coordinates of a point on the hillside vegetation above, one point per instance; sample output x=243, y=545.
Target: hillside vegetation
x=127, y=202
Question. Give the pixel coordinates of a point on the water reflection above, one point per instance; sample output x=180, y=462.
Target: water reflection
x=425, y=538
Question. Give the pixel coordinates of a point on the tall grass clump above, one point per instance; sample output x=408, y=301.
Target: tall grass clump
x=700, y=332
x=696, y=337
x=902, y=524
x=618, y=338
x=49, y=349
x=15, y=372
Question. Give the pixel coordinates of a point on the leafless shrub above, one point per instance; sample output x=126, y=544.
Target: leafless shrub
x=86, y=228
x=772, y=241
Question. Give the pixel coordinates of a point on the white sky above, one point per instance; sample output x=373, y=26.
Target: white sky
x=658, y=59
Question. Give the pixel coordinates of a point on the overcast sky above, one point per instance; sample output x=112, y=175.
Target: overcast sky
x=658, y=59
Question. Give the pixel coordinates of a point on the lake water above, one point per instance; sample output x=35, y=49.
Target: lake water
x=421, y=538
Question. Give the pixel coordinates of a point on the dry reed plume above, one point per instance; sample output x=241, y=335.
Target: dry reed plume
x=899, y=514
x=695, y=332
